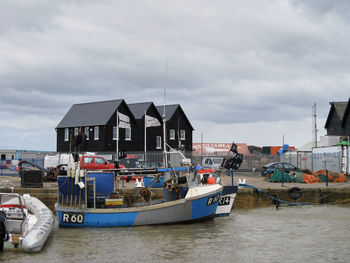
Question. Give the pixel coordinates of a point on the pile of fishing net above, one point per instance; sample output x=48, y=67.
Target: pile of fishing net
x=306, y=177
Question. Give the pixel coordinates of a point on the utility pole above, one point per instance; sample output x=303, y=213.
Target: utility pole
x=314, y=124
x=201, y=148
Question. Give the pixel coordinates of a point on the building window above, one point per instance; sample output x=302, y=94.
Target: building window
x=172, y=135
x=66, y=134
x=96, y=133
x=114, y=133
x=159, y=142
x=86, y=131
x=76, y=131
x=182, y=135
x=128, y=134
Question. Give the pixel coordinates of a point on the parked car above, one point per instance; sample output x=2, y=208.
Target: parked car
x=279, y=166
x=212, y=162
x=96, y=163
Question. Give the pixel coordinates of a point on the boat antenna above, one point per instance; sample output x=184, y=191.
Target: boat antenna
x=165, y=161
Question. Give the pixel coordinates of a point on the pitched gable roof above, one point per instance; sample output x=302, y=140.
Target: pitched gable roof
x=346, y=113
x=138, y=109
x=170, y=111
x=90, y=114
x=337, y=110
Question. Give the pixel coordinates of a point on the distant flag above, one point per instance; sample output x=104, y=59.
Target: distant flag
x=124, y=121
x=151, y=122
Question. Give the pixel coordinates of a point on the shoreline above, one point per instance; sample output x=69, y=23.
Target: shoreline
x=247, y=198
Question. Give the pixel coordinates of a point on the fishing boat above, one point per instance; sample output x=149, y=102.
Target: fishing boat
x=90, y=199
x=232, y=161
x=25, y=222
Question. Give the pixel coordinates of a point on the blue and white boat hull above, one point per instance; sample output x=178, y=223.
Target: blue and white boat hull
x=226, y=200
x=200, y=203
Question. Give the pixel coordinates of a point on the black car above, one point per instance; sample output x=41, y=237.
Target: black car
x=279, y=166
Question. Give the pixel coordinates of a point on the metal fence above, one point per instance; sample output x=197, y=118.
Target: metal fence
x=10, y=167
x=133, y=159
x=303, y=160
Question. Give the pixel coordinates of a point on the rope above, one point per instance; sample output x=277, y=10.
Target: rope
x=270, y=196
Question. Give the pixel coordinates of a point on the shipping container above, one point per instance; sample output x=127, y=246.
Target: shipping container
x=334, y=158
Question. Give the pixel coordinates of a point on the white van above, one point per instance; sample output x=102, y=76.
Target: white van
x=212, y=162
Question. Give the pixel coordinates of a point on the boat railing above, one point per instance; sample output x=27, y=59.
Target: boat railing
x=13, y=217
x=93, y=180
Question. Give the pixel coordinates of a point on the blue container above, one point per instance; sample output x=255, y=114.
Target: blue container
x=148, y=179
x=104, y=183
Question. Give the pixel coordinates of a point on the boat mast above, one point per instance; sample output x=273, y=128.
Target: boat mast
x=165, y=160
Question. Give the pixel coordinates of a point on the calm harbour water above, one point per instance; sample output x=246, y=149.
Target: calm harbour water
x=292, y=234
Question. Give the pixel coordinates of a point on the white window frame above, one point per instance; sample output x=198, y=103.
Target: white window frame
x=96, y=133
x=87, y=133
x=128, y=134
x=66, y=134
x=158, y=142
x=76, y=131
x=182, y=135
x=171, y=134
x=114, y=133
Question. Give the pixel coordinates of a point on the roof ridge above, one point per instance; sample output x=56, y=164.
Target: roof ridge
x=139, y=103
x=168, y=105
x=95, y=102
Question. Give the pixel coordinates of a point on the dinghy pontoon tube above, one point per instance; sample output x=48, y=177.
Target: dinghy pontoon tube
x=28, y=221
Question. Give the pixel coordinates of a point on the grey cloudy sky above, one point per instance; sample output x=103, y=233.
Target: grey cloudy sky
x=243, y=70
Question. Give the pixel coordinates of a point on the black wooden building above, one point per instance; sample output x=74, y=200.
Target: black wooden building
x=178, y=128
x=97, y=123
x=154, y=135
x=338, y=120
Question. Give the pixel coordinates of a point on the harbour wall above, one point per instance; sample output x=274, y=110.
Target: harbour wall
x=252, y=198
x=245, y=199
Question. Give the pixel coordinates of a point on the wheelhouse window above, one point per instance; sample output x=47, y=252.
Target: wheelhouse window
x=159, y=142
x=172, y=134
x=86, y=131
x=66, y=134
x=128, y=134
x=96, y=133
x=182, y=135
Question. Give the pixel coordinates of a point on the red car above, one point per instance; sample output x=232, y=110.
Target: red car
x=96, y=163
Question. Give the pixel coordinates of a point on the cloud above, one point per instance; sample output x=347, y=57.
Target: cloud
x=251, y=64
